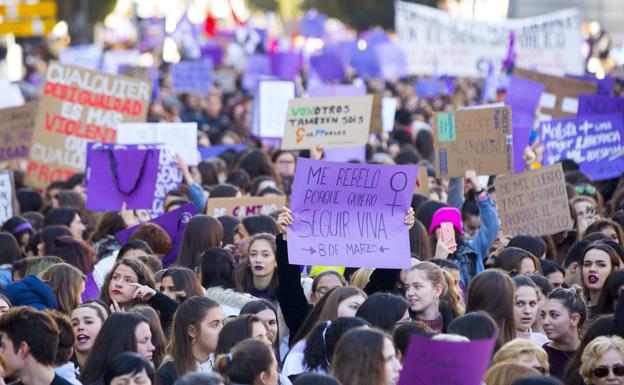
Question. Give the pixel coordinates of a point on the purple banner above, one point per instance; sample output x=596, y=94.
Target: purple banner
x=120, y=173
x=286, y=65
x=174, y=222
x=605, y=86
x=444, y=362
x=593, y=105
x=391, y=60
x=593, y=141
x=523, y=95
x=328, y=67
x=351, y=215
x=216, y=150
x=214, y=52
x=192, y=76
x=257, y=65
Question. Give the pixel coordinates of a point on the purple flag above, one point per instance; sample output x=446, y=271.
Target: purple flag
x=351, y=215
x=328, y=67
x=286, y=65
x=427, y=87
x=605, y=86
x=214, y=52
x=335, y=90
x=152, y=33
x=375, y=36
x=312, y=24
x=342, y=49
x=120, y=173
x=523, y=95
x=216, y=150
x=593, y=141
x=444, y=362
x=391, y=60
x=592, y=104
x=257, y=65
x=192, y=76
x=364, y=62
x=174, y=222
x=345, y=154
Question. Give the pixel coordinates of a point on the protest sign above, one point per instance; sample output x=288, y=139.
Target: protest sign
x=473, y=139
x=597, y=104
x=16, y=129
x=593, y=141
x=437, y=42
x=523, y=96
x=327, y=122
x=271, y=107
x=10, y=94
x=391, y=60
x=347, y=214
x=174, y=223
x=328, y=66
x=334, y=90
x=181, y=137
x=257, y=65
x=79, y=105
x=214, y=52
x=7, y=192
x=116, y=174
x=286, y=65
x=312, y=24
x=218, y=149
x=345, y=154
x=112, y=60
x=192, y=76
x=434, y=362
x=427, y=87
x=85, y=56
x=422, y=182
x=388, y=112
x=534, y=202
x=605, y=85
x=153, y=33
x=560, y=96
x=244, y=206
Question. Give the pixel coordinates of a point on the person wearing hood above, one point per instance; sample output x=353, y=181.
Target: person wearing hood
x=31, y=291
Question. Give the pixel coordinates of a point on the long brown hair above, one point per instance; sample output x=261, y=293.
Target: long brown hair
x=244, y=269
x=201, y=233
x=66, y=283
x=144, y=276
x=190, y=313
x=368, y=369
x=158, y=335
x=493, y=292
x=184, y=280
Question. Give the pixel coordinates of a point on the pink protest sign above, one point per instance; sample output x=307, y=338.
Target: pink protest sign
x=446, y=363
x=347, y=214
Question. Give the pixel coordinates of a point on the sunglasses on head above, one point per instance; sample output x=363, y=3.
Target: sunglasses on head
x=586, y=189
x=603, y=371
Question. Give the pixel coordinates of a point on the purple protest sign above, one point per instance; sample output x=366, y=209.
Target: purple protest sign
x=328, y=67
x=216, y=150
x=444, y=362
x=605, y=86
x=342, y=49
x=391, y=60
x=152, y=33
x=427, y=87
x=593, y=105
x=593, y=141
x=347, y=214
x=192, y=76
x=364, y=62
x=286, y=65
x=120, y=173
x=345, y=154
x=312, y=24
x=523, y=95
x=174, y=222
x=335, y=90
x=257, y=65
x=214, y=52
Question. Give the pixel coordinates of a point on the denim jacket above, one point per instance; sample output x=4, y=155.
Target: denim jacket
x=470, y=255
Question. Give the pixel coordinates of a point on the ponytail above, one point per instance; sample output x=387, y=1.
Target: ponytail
x=246, y=361
x=573, y=300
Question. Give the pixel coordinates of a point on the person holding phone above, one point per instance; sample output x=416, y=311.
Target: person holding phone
x=446, y=229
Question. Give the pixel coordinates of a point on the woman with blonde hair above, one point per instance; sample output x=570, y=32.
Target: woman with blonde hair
x=67, y=283
x=523, y=352
x=506, y=373
x=602, y=361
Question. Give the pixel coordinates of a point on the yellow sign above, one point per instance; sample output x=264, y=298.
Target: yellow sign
x=25, y=28
x=24, y=11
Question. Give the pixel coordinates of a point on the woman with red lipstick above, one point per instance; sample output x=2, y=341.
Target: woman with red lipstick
x=599, y=261
x=526, y=308
x=562, y=318
x=258, y=275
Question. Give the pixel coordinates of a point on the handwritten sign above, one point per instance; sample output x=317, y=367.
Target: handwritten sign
x=16, y=129
x=327, y=122
x=79, y=105
x=192, y=76
x=244, y=206
x=181, y=137
x=560, y=96
x=594, y=142
x=351, y=215
x=434, y=362
x=534, y=202
x=473, y=139
x=596, y=104
x=6, y=196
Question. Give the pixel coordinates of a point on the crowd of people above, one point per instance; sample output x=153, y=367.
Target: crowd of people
x=79, y=307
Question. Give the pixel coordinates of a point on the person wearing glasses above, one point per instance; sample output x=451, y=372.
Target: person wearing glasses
x=602, y=362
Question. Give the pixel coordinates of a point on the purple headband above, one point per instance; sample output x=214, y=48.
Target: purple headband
x=23, y=227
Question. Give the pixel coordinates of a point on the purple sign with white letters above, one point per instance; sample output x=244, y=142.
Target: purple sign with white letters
x=596, y=104
x=593, y=141
x=352, y=215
